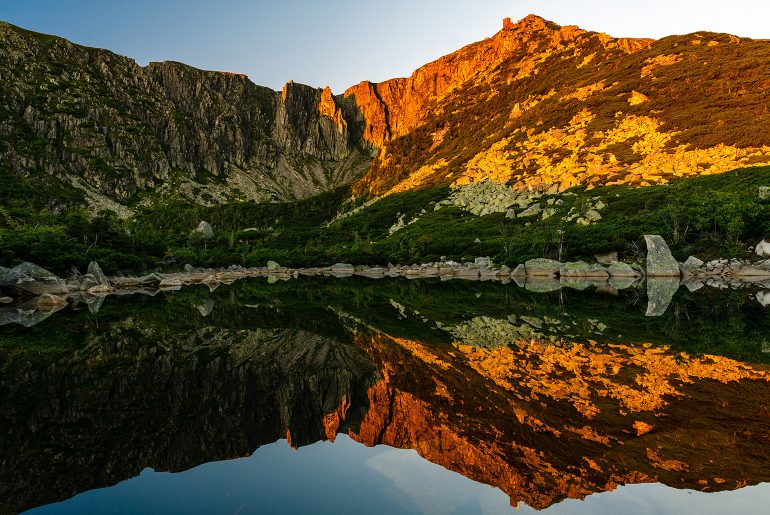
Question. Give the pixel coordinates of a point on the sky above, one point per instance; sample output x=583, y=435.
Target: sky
x=339, y=43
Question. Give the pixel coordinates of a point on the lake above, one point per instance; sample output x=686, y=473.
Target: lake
x=350, y=395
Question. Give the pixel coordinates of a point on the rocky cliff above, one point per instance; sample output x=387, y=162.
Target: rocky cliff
x=118, y=130
x=537, y=106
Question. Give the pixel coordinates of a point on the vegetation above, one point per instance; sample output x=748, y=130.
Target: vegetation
x=712, y=216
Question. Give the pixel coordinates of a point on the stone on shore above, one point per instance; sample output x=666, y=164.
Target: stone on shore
x=96, y=271
x=621, y=269
x=660, y=262
x=763, y=249
x=519, y=271
x=690, y=264
x=607, y=258
x=272, y=265
x=542, y=267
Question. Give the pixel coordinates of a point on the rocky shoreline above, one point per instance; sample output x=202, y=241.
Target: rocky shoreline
x=31, y=287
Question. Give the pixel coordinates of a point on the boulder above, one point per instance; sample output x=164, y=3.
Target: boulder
x=483, y=261
x=607, y=258
x=205, y=230
x=762, y=249
x=272, y=265
x=344, y=268
x=33, y=271
x=583, y=269
x=622, y=270
x=593, y=216
x=188, y=267
x=660, y=262
x=9, y=276
x=763, y=297
x=542, y=267
x=96, y=271
x=764, y=193
x=690, y=264
x=533, y=210
x=52, y=286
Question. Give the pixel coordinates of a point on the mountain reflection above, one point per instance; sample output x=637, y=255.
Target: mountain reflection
x=546, y=398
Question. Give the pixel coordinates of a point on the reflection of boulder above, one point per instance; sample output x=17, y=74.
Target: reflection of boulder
x=206, y=308
x=542, y=284
x=660, y=293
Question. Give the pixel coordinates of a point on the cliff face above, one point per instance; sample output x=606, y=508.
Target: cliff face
x=104, y=123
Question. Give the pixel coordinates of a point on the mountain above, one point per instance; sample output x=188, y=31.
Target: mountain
x=115, y=129
x=537, y=105
x=546, y=107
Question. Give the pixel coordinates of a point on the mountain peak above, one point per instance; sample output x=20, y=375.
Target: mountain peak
x=531, y=21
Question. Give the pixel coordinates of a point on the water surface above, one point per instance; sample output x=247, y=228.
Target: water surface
x=351, y=396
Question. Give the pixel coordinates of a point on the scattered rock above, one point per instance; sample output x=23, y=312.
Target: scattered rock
x=592, y=216
x=692, y=263
x=96, y=272
x=762, y=249
x=188, y=267
x=642, y=428
x=660, y=262
x=607, y=258
x=205, y=230
x=533, y=210
x=764, y=193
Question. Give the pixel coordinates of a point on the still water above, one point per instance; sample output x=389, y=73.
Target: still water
x=358, y=396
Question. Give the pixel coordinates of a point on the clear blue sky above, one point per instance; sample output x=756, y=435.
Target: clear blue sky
x=341, y=42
